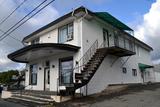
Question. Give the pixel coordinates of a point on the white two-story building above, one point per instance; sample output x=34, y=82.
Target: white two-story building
x=83, y=51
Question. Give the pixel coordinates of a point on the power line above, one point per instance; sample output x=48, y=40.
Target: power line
x=23, y=18
x=11, y=36
x=13, y=12
x=27, y=19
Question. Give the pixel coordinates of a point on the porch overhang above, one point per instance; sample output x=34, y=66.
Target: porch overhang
x=120, y=52
x=142, y=67
x=37, y=51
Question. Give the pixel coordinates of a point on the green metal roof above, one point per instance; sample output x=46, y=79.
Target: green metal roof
x=144, y=66
x=112, y=20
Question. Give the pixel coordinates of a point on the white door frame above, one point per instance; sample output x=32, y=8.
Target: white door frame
x=47, y=79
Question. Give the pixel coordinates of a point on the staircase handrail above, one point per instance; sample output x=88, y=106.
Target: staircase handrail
x=86, y=57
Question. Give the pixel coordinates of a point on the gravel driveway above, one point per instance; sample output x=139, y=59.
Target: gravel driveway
x=137, y=96
x=145, y=98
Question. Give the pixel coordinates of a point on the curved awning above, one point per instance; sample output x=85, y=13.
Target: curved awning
x=142, y=67
x=36, y=51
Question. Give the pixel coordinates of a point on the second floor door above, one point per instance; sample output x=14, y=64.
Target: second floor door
x=106, y=38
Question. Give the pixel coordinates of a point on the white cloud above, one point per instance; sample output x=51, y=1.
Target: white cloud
x=9, y=45
x=47, y=15
x=149, y=30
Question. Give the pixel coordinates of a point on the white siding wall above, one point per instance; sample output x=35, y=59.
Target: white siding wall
x=157, y=76
x=107, y=74
x=92, y=31
x=85, y=33
x=50, y=37
x=40, y=77
x=54, y=72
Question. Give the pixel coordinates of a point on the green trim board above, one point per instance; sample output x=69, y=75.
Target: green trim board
x=144, y=66
x=112, y=20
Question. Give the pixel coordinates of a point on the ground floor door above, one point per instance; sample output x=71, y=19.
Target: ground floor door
x=46, y=79
x=66, y=71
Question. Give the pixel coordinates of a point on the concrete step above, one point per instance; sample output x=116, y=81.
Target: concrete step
x=33, y=97
x=34, y=94
x=31, y=100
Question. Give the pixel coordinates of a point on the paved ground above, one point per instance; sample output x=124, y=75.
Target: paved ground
x=140, y=96
x=9, y=104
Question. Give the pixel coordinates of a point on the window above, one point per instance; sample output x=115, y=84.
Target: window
x=66, y=70
x=124, y=70
x=35, y=41
x=65, y=33
x=134, y=72
x=33, y=74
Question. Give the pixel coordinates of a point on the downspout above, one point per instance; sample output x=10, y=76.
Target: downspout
x=81, y=54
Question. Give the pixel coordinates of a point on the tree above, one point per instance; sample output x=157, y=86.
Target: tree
x=6, y=77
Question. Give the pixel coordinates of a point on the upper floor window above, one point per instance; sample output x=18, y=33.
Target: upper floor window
x=65, y=33
x=35, y=41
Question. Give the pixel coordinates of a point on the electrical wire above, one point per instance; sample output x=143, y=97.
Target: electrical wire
x=27, y=20
x=23, y=18
x=11, y=36
x=12, y=12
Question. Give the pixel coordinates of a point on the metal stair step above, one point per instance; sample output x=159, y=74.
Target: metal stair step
x=90, y=64
x=98, y=56
x=94, y=60
x=90, y=68
x=88, y=71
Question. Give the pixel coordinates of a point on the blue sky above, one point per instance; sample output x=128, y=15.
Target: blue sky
x=125, y=10
x=141, y=15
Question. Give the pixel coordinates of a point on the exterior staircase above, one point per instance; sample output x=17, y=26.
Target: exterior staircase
x=87, y=66
x=90, y=68
x=90, y=62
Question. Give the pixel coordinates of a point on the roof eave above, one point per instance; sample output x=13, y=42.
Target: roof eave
x=68, y=47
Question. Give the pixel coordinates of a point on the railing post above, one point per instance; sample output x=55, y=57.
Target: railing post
x=57, y=86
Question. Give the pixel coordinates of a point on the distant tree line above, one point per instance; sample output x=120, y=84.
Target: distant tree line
x=6, y=77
